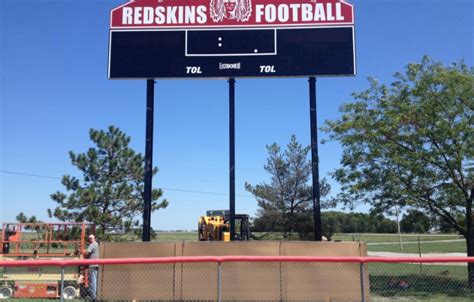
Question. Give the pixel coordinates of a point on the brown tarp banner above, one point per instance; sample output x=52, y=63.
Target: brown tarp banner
x=137, y=282
x=322, y=281
x=240, y=281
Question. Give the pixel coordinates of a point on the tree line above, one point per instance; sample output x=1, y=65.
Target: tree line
x=332, y=222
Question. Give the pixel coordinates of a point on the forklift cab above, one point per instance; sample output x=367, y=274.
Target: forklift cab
x=242, y=228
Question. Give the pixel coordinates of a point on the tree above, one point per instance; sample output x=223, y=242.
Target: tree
x=111, y=192
x=415, y=221
x=333, y=222
x=21, y=217
x=288, y=195
x=378, y=223
x=411, y=144
x=444, y=226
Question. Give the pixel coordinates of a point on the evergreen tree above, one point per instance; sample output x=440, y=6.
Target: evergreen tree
x=21, y=217
x=110, y=194
x=288, y=196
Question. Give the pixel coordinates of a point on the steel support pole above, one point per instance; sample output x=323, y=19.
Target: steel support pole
x=150, y=100
x=315, y=161
x=232, y=157
x=419, y=253
x=362, y=281
x=219, y=282
x=61, y=293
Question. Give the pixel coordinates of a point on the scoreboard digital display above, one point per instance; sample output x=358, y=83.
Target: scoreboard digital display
x=231, y=38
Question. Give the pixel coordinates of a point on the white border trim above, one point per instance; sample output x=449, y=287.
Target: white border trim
x=217, y=27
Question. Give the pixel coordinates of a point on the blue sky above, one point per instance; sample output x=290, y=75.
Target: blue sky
x=54, y=88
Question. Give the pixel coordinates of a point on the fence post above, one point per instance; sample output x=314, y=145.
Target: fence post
x=362, y=281
x=419, y=252
x=62, y=284
x=219, y=282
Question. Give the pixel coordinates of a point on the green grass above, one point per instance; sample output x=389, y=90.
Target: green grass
x=427, y=282
x=399, y=269
x=410, y=242
x=160, y=237
x=426, y=247
x=176, y=236
x=268, y=236
x=373, y=238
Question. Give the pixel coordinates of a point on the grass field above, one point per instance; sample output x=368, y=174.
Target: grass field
x=427, y=282
x=375, y=238
x=426, y=247
x=176, y=236
x=390, y=243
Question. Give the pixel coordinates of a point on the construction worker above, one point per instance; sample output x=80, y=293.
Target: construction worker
x=92, y=252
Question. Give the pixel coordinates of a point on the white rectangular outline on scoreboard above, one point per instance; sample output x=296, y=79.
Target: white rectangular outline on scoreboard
x=187, y=54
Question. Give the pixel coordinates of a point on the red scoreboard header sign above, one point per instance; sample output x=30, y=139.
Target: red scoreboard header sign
x=231, y=38
x=142, y=14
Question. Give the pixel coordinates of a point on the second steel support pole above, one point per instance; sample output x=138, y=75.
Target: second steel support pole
x=150, y=100
x=232, y=157
x=315, y=161
x=362, y=281
x=219, y=282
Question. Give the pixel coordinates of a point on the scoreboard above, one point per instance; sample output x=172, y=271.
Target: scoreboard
x=231, y=38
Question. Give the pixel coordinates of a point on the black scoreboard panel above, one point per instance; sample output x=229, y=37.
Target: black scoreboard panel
x=232, y=53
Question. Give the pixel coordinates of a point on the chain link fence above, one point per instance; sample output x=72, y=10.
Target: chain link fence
x=420, y=282
x=234, y=278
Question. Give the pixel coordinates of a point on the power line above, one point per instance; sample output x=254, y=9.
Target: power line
x=28, y=174
x=167, y=189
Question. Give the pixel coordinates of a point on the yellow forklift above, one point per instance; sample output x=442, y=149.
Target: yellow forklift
x=215, y=226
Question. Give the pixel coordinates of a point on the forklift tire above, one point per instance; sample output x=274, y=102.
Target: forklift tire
x=69, y=293
x=6, y=292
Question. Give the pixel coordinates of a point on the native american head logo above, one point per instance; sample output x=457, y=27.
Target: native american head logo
x=239, y=10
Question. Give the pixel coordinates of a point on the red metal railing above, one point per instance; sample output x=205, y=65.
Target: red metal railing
x=384, y=281
x=222, y=259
